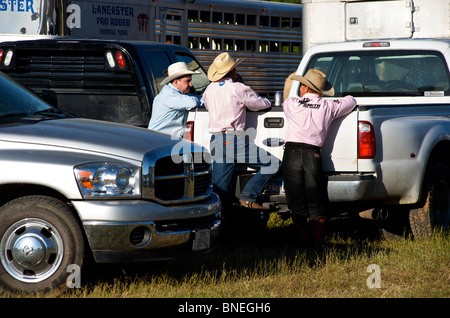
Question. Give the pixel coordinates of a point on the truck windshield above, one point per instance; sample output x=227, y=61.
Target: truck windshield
x=385, y=73
x=16, y=101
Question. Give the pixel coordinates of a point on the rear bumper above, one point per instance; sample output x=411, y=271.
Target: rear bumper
x=345, y=188
x=139, y=231
x=341, y=188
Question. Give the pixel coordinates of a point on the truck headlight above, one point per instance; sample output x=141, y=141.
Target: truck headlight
x=108, y=179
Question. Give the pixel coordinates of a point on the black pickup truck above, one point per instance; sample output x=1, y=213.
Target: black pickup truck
x=108, y=80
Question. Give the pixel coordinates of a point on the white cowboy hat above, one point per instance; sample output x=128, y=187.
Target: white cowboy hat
x=222, y=64
x=177, y=70
x=317, y=81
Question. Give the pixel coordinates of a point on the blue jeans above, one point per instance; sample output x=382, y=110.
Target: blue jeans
x=304, y=181
x=229, y=150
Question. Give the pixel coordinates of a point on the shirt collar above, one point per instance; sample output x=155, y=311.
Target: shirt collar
x=228, y=79
x=311, y=96
x=174, y=88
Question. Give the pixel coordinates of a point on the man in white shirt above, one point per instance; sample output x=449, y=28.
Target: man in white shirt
x=172, y=104
x=227, y=101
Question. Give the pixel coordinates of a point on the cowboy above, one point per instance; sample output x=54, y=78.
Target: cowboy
x=226, y=100
x=308, y=121
x=171, y=106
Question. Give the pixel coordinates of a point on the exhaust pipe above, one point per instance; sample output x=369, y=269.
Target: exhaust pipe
x=375, y=214
x=384, y=214
x=371, y=214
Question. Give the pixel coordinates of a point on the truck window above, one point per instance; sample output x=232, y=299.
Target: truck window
x=199, y=81
x=385, y=73
x=158, y=61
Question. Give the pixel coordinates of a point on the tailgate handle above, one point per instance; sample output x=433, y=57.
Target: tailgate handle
x=273, y=122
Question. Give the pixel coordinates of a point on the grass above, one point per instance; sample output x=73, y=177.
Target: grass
x=267, y=263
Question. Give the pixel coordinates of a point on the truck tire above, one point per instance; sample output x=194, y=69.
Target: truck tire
x=434, y=211
x=39, y=238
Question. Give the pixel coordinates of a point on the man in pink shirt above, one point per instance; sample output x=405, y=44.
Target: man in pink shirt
x=308, y=121
x=227, y=101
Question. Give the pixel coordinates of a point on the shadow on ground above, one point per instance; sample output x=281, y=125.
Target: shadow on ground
x=247, y=243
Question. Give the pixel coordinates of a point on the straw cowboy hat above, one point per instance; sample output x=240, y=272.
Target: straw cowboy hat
x=222, y=64
x=317, y=81
x=177, y=70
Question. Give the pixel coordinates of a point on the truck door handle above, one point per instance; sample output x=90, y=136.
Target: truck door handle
x=273, y=122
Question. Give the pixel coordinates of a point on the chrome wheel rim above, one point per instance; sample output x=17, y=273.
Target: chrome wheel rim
x=31, y=250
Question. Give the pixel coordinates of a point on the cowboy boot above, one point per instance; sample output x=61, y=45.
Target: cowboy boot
x=317, y=228
x=302, y=230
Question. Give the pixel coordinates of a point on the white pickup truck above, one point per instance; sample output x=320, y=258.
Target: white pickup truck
x=390, y=158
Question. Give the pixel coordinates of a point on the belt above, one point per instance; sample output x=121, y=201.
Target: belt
x=300, y=145
x=225, y=131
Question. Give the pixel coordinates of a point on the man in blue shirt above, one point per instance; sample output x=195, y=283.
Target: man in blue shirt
x=172, y=104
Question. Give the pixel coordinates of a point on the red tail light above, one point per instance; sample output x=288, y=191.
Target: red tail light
x=189, y=131
x=120, y=59
x=1, y=55
x=366, y=140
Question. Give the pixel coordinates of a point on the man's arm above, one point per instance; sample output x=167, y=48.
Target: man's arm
x=252, y=100
x=184, y=102
x=344, y=105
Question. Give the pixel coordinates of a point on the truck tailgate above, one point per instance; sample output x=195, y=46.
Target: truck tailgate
x=268, y=130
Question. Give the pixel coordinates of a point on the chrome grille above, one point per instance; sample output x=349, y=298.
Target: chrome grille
x=179, y=179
